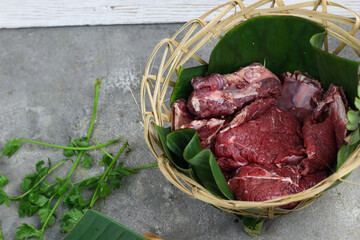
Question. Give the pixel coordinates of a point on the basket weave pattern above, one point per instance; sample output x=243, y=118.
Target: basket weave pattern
x=174, y=53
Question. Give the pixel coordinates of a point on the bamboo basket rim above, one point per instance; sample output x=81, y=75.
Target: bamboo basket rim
x=176, y=53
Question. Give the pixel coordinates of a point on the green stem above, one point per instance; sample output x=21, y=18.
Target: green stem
x=99, y=175
x=1, y=153
x=50, y=199
x=24, y=140
x=143, y=167
x=52, y=212
x=37, y=184
x=111, y=166
x=113, y=163
x=54, y=183
x=94, y=197
x=1, y=238
x=62, y=196
x=103, y=149
x=74, y=167
x=86, y=179
x=97, y=86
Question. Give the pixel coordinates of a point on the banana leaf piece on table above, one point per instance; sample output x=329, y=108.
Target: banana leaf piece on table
x=96, y=226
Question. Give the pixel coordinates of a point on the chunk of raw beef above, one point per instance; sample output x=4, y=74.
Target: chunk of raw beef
x=300, y=114
x=179, y=114
x=312, y=179
x=336, y=105
x=265, y=182
x=274, y=137
x=220, y=103
x=252, y=73
x=320, y=143
x=251, y=111
x=206, y=103
x=206, y=129
x=213, y=82
x=229, y=164
x=300, y=91
x=246, y=85
x=239, y=79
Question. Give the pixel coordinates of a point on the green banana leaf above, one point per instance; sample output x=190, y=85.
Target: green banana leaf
x=284, y=43
x=193, y=147
x=183, y=86
x=179, y=162
x=333, y=69
x=203, y=167
x=344, y=152
x=252, y=225
x=220, y=179
x=178, y=140
x=209, y=174
x=355, y=138
x=96, y=226
x=184, y=143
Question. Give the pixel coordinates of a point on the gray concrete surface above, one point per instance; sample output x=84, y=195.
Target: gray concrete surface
x=46, y=88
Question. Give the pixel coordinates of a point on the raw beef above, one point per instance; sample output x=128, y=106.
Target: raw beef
x=274, y=137
x=229, y=167
x=206, y=129
x=300, y=114
x=312, y=179
x=265, y=182
x=335, y=103
x=320, y=143
x=179, y=114
x=207, y=103
x=213, y=82
x=300, y=91
x=252, y=111
x=270, y=140
x=252, y=73
x=238, y=79
x=220, y=96
x=229, y=164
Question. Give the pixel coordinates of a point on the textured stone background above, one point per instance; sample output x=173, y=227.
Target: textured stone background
x=46, y=87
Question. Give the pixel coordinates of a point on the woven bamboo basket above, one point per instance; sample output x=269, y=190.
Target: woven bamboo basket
x=172, y=53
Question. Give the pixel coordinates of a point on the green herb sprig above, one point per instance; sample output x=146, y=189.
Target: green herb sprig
x=43, y=198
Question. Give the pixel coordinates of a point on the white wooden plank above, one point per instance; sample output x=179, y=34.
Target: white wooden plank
x=45, y=13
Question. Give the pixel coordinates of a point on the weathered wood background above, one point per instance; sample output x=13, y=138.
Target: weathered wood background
x=45, y=13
